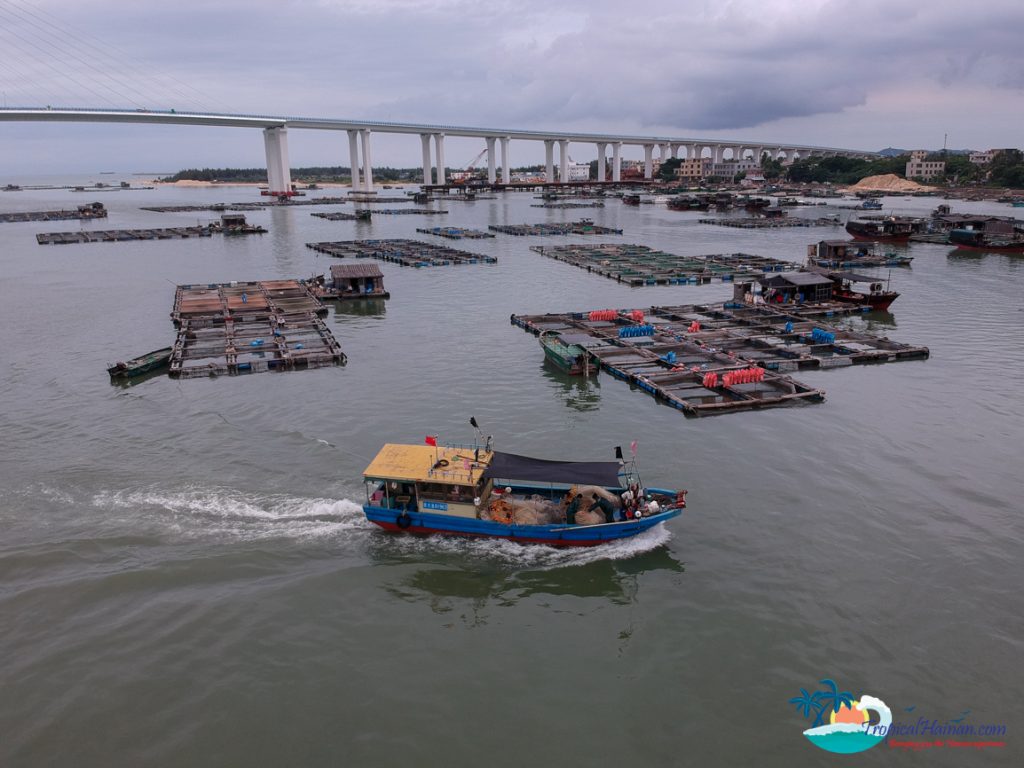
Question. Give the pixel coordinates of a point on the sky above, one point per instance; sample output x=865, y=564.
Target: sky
x=856, y=74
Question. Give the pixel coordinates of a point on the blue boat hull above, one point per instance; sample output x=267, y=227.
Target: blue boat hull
x=559, y=535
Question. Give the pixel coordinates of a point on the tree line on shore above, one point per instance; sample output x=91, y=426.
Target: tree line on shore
x=1005, y=170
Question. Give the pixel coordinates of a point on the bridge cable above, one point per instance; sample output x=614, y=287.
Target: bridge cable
x=29, y=16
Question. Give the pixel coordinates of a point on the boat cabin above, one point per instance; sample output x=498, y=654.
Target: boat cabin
x=840, y=250
x=356, y=281
x=448, y=479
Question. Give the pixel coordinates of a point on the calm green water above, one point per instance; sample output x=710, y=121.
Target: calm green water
x=186, y=577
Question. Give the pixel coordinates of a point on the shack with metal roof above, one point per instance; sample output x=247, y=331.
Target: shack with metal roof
x=355, y=281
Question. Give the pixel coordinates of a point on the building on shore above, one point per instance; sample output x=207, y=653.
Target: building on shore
x=919, y=167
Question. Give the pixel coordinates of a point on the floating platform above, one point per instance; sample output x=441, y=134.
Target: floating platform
x=456, y=233
x=638, y=265
x=123, y=235
x=671, y=352
x=410, y=212
x=567, y=205
x=363, y=215
x=254, y=206
x=357, y=198
x=772, y=223
x=408, y=253
x=94, y=211
x=235, y=328
x=583, y=227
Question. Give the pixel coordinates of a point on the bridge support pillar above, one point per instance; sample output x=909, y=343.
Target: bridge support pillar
x=717, y=153
x=353, y=158
x=675, y=150
x=506, y=172
x=425, y=141
x=367, y=165
x=648, y=161
x=492, y=172
x=602, y=170
x=617, y=161
x=279, y=175
x=549, y=161
x=442, y=176
x=563, y=161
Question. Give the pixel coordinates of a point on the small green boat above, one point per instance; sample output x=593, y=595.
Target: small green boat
x=571, y=357
x=140, y=365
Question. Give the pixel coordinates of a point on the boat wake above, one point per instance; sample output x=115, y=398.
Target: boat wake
x=510, y=554
x=224, y=511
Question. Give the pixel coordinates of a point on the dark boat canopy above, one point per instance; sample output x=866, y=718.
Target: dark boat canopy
x=841, y=275
x=511, y=466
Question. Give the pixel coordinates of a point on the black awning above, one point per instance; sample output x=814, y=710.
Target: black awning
x=510, y=466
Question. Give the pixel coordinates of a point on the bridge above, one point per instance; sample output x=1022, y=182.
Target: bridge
x=275, y=138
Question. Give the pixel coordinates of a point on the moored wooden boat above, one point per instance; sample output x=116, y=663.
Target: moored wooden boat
x=471, y=490
x=139, y=365
x=570, y=357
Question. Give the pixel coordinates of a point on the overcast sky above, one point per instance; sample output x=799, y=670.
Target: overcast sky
x=845, y=73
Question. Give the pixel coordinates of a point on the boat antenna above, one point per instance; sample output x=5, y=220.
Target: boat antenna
x=480, y=435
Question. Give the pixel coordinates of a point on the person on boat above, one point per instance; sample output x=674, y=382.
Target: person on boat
x=604, y=505
x=573, y=508
x=627, y=501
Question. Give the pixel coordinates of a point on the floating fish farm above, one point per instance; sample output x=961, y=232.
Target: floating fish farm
x=638, y=265
x=94, y=211
x=255, y=206
x=456, y=233
x=567, y=205
x=408, y=253
x=363, y=215
x=719, y=358
x=584, y=227
x=771, y=223
x=236, y=328
x=122, y=235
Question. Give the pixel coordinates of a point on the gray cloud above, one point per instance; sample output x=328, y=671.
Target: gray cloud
x=685, y=67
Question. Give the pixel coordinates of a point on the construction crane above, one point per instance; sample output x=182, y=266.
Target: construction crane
x=476, y=159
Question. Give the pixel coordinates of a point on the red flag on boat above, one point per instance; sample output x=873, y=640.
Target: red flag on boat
x=430, y=440
x=632, y=447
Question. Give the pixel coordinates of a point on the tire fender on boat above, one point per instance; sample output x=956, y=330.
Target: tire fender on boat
x=404, y=521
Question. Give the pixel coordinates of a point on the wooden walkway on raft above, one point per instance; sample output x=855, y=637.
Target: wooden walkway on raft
x=250, y=327
x=585, y=227
x=408, y=253
x=668, y=351
x=638, y=265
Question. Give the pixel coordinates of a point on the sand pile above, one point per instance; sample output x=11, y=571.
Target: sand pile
x=888, y=182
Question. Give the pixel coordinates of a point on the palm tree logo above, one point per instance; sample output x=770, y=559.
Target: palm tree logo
x=840, y=720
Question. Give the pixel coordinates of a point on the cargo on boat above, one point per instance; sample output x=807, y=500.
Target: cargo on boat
x=472, y=490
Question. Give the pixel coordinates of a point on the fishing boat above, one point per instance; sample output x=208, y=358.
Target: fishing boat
x=473, y=490
x=891, y=228
x=984, y=241
x=566, y=352
x=862, y=290
x=842, y=254
x=140, y=365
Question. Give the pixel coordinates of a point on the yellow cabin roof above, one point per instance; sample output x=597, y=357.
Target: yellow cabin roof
x=415, y=463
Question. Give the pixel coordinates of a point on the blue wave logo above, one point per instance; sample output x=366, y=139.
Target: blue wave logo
x=843, y=724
